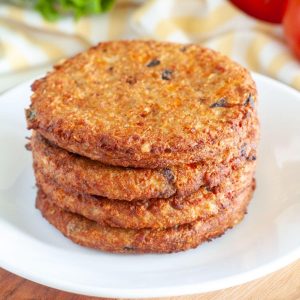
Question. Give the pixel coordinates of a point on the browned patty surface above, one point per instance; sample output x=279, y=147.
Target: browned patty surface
x=145, y=104
x=154, y=213
x=89, y=233
x=80, y=174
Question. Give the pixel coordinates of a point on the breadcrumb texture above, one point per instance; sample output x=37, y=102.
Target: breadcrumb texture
x=90, y=234
x=154, y=213
x=85, y=176
x=145, y=104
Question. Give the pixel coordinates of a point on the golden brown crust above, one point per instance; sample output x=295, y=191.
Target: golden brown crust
x=114, y=104
x=90, y=234
x=80, y=174
x=154, y=213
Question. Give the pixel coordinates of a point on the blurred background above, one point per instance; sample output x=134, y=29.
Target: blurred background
x=263, y=35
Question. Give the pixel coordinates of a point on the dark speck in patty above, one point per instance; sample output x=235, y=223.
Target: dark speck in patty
x=153, y=63
x=220, y=103
x=166, y=74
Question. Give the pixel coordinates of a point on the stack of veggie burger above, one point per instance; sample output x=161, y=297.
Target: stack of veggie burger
x=143, y=146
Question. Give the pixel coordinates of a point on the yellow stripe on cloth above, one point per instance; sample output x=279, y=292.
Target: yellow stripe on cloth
x=83, y=28
x=296, y=82
x=20, y=15
x=16, y=13
x=54, y=52
x=278, y=62
x=14, y=56
x=225, y=44
x=117, y=23
x=255, y=47
x=37, y=40
x=193, y=25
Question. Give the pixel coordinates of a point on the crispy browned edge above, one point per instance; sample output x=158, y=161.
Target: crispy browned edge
x=154, y=161
x=90, y=234
x=154, y=213
x=118, y=152
x=76, y=173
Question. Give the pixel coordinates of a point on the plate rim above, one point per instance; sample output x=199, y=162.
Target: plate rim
x=166, y=291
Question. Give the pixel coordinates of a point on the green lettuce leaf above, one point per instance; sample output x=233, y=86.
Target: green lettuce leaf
x=52, y=10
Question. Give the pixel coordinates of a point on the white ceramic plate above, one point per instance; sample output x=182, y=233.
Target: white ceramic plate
x=265, y=241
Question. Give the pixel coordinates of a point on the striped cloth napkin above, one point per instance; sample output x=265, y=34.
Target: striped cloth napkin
x=27, y=41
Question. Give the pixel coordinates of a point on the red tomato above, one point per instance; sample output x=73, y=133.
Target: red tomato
x=291, y=25
x=266, y=10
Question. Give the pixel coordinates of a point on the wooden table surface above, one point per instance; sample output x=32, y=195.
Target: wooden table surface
x=283, y=284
